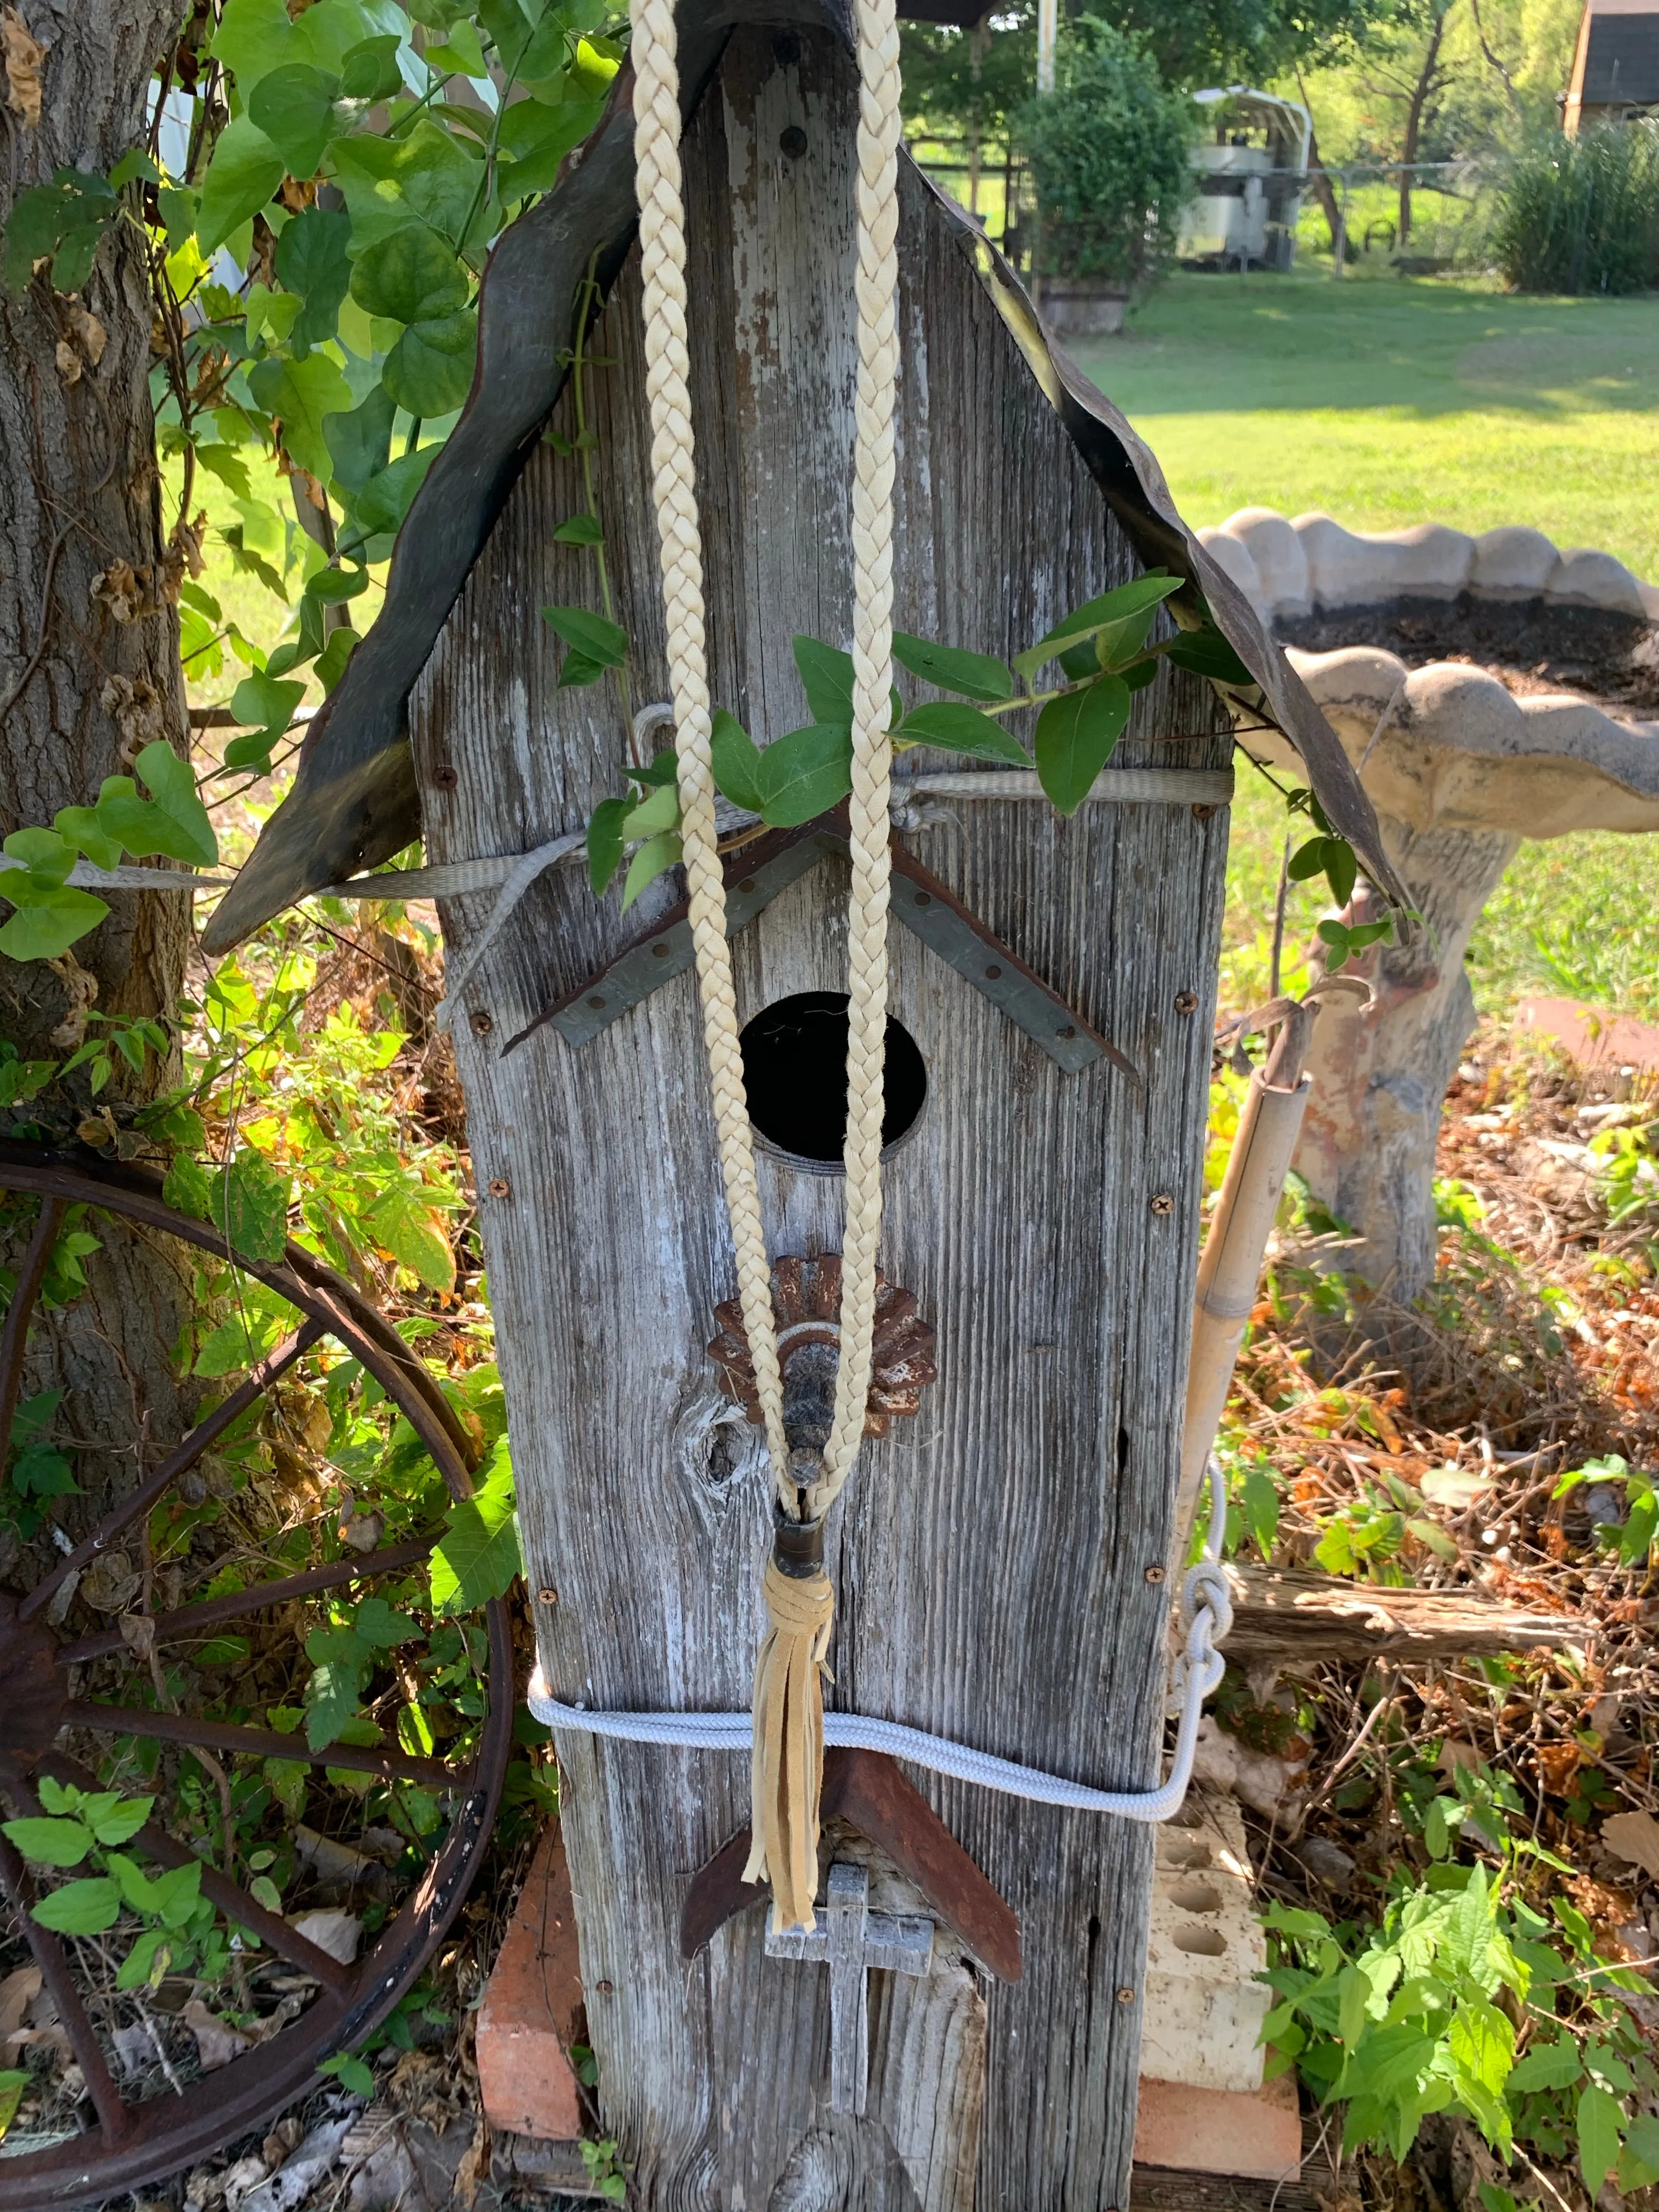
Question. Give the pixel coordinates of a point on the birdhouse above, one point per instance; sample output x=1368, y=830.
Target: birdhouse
x=999, y=1555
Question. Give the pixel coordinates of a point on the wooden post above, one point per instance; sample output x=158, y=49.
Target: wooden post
x=995, y=1556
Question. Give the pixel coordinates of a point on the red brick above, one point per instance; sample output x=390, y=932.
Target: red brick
x=1596, y=1040
x=526, y=2021
x=1256, y=2133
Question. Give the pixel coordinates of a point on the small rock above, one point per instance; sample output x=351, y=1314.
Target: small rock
x=1328, y=1862
x=1604, y=1506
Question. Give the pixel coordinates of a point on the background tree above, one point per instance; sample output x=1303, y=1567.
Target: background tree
x=1109, y=149
x=89, y=673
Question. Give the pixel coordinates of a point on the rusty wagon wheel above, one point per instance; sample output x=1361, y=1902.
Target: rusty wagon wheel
x=44, y=1732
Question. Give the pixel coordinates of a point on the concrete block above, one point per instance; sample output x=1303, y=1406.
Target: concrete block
x=1204, y=2009
x=1256, y=2134
x=1280, y=561
x=526, y=2021
x=1512, y=564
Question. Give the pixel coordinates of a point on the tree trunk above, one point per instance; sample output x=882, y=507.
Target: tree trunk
x=1422, y=92
x=82, y=689
x=1319, y=177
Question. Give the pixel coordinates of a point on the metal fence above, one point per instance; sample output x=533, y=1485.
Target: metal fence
x=1418, y=217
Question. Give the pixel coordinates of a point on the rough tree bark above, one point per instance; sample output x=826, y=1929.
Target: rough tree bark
x=89, y=673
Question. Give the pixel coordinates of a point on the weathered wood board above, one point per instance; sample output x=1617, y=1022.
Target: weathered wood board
x=990, y=1558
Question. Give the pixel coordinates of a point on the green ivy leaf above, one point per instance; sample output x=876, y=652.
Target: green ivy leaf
x=50, y=1842
x=655, y=858
x=430, y=371
x=119, y=1822
x=596, y=643
x=312, y=261
x=382, y=1625
x=403, y=1221
x=735, y=759
x=245, y=172
x=605, y=841
x=50, y=915
x=293, y=106
x=479, y=1555
x=350, y=2073
x=386, y=499
x=971, y=675
x=360, y=442
x=411, y=276
x=1206, y=653
x=1075, y=736
x=956, y=729
x=369, y=69
x=826, y=675
x=331, y=1701
x=1600, y=2135
x=249, y=1207
x=302, y=393
x=658, y=811
x=172, y=822
x=81, y=1908
x=579, y=529
x=1128, y=599
x=803, y=774
x=536, y=138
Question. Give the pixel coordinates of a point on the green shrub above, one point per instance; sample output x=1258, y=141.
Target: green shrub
x=1108, y=152
x=1582, y=215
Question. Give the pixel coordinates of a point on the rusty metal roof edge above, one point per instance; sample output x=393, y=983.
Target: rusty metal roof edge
x=354, y=802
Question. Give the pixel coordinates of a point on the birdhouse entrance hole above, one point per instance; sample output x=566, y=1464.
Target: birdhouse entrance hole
x=794, y=1069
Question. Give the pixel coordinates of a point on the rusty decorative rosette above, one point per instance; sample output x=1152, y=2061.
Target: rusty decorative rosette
x=51, y=1730
x=806, y=1301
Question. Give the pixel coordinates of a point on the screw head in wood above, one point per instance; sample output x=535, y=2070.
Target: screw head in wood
x=482, y=1022
x=604, y=1989
x=597, y=1004
x=792, y=141
x=1126, y=1995
x=548, y=1596
x=1185, y=1002
x=499, y=1187
x=992, y=973
x=444, y=776
x=1163, y=1204
x=1154, y=1574
x=1203, y=813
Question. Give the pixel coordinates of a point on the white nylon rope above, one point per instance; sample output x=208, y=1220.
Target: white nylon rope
x=1207, y=1615
x=662, y=236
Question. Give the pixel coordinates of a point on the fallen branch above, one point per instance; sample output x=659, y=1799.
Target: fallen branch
x=1294, y=1617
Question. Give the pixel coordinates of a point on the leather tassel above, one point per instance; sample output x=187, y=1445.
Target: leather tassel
x=788, y=1779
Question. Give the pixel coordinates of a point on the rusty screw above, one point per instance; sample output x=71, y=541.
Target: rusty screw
x=499, y=1187
x=549, y=1596
x=792, y=141
x=1163, y=1204
x=444, y=775
x=482, y=1022
x=1185, y=1002
x=604, y=1989
x=1154, y=1574
x=1126, y=1995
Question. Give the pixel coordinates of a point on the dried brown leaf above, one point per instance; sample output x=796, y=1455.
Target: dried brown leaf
x=216, y=2041
x=1634, y=1837
x=24, y=56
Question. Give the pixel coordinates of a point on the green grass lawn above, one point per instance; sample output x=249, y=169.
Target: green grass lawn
x=1393, y=400
x=1390, y=401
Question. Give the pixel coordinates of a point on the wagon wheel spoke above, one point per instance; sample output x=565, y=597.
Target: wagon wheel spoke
x=191, y=1620
x=226, y=1896
x=50, y=1958
x=200, y=1439
x=30, y=1276
x=258, y=1743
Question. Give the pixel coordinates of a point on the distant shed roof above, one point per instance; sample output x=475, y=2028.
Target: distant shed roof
x=1621, y=60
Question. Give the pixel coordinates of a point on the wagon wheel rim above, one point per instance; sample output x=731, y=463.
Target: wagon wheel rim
x=133, y=2143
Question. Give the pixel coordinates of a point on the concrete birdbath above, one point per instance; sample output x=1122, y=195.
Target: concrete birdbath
x=1460, y=770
